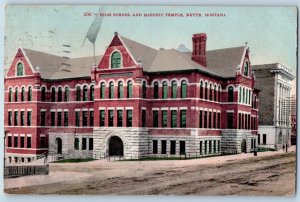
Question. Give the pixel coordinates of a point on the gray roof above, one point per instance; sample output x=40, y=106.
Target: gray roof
x=221, y=62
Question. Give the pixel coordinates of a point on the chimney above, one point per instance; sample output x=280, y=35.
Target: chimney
x=199, y=48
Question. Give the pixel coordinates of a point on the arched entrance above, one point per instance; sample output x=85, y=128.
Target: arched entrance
x=244, y=146
x=58, y=144
x=116, y=147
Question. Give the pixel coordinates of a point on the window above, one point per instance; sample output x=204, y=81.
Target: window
x=91, y=144
x=111, y=90
x=10, y=95
x=164, y=118
x=219, y=120
x=182, y=118
x=16, y=141
x=91, y=118
x=163, y=147
x=110, y=118
x=264, y=139
x=59, y=117
x=210, y=92
x=155, y=118
x=200, y=119
x=53, y=95
x=16, y=95
x=246, y=68
x=43, y=94
x=144, y=89
x=174, y=89
x=84, y=118
x=29, y=93
x=66, y=118
x=52, y=118
x=28, y=142
x=155, y=146
x=120, y=89
x=165, y=90
x=219, y=146
x=22, y=142
x=243, y=95
x=182, y=147
x=85, y=93
x=240, y=121
x=209, y=119
x=43, y=142
x=219, y=94
x=209, y=147
x=205, y=147
x=258, y=138
x=201, y=148
x=10, y=118
x=230, y=94
x=102, y=90
x=230, y=120
x=206, y=91
x=201, y=89
x=59, y=94
x=78, y=93
x=9, y=141
x=102, y=118
x=92, y=91
x=205, y=119
x=23, y=94
x=156, y=90
x=173, y=147
x=215, y=93
x=173, y=118
x=129, y=89
x=16, y=118
x=83, y=146
x=215, y=120
x=115, y=60
x=20, y=69
x=76, y=143
x=215, y=146
x=22, y=118
x=143, y=118
x=183, y=89
x=129, y=118
x=240, y=94
x=66, y=96
x=120, y=118
x=77, y=118
x=28, y=118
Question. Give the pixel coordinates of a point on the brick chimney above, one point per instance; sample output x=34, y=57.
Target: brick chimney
x=199, y=48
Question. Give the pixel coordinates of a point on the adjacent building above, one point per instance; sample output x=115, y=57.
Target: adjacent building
x=274, y=81
x=136, y=101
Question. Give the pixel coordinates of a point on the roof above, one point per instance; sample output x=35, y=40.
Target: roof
x=274, y=66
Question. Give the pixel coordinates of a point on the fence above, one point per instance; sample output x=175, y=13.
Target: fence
x=18, y=171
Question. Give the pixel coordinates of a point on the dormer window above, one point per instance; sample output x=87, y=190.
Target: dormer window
x=246, y=68
x=116, y=60
x=20, y=69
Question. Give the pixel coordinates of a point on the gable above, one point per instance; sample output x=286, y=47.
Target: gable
x=20, y=59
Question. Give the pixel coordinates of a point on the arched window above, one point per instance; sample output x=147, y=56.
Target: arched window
x=66, y=97
x=10, y=95
x=230, y=94
x=249, y=96
x=174, y=89
x=165, y=90
x=243, y=95
x=201, y=89
x=92, y=93
x=210, y=92
x=111, y=89
x=183, y=89
x=53, y=95
x=22, y=94
x=246, y=68
x=246, y=99
x=85, y=93
x=29, y=93
x=102, y=90
x=43, y=94
x=115, y=60
x=206, y=91
x=240, y=94
x=156, y=90
x=144, y=89
x=78, y=93
x=16, y=95
x=129, y=89
x=219, y=93
x=120, y=89
x=59, y=94
x=20, y=69
x=215, y=93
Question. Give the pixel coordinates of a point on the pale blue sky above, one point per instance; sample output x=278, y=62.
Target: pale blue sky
x=269, y=31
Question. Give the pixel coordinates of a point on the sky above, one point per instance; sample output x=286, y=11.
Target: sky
x=270, y=32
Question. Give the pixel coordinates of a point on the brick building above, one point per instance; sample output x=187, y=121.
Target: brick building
x=135, y=102
x=274, y=81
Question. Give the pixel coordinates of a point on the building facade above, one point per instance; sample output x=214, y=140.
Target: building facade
x=135, y=102
x=274, y=81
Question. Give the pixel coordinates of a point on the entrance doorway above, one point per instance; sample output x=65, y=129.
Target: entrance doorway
x=58, y=143
x=244, y=146
x=116, y=147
